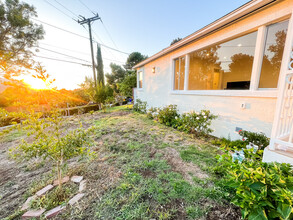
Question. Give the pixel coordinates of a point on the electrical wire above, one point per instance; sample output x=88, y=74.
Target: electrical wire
x=86, y=7
x=79, y=36
x=59, y=10
x=64, y=54
x=66, y=8
x=66, y=61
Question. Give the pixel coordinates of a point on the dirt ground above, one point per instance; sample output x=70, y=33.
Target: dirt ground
x=20, y=180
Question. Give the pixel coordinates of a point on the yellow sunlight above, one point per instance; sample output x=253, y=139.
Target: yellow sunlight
x=36, y=83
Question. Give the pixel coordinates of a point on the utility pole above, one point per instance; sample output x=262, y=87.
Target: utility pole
x=89, y=21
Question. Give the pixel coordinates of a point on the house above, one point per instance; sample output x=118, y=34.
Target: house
x=239, y=67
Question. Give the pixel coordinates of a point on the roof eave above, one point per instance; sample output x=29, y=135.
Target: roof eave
x=237, y=14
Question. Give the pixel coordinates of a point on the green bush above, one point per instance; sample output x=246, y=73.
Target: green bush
x=261, y=190
x=140, y=106
x=169, y=115
x=258, y=139
x=153, y=112
x=194, y=122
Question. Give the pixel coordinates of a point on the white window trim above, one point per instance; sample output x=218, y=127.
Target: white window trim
x=137, y=79
x=254, y=91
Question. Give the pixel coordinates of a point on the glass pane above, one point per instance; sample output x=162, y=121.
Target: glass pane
x=179, y=73
x=140, y=80
x=223, y=66
x=176, y=75
x=273, y=52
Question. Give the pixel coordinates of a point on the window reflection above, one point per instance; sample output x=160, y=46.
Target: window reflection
x=273, y=52
x=140, y=80
x=179, y=74
x=223, y=66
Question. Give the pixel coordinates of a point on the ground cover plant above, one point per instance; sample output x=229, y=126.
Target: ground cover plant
x=143, y=170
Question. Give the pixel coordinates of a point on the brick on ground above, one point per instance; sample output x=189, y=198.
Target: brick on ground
x=25, y=206
x=55, y=211
x=44, y=190
x=33, y=214
x=76, y=179
x=76, y=198
x=64, y=180
x=82, y=186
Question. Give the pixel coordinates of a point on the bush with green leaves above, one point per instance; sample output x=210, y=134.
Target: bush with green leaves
x=196, y=122
x=263, y=191
x=169, y=115
x=52, y=142
x=258, y=139
x=140, y=106
x=9, y=118
x=153, y=112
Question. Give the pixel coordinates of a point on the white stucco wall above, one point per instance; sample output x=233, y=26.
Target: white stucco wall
x=259, y=112
x=258, y=115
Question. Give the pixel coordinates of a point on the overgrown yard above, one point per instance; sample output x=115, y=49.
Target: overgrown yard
x=144, y=170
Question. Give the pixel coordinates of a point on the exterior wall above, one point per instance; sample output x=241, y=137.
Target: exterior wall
x=260, y=105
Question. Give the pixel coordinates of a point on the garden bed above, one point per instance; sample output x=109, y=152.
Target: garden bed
x=143, y=170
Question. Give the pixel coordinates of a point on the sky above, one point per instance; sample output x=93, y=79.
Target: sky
x=146, y=26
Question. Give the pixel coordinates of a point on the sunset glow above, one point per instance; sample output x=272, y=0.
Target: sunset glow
x=36, y=83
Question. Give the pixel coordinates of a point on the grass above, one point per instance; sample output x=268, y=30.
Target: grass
x=149, y=185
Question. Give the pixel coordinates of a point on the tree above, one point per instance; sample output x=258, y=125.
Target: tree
x=50, y=141
x=133, y=59
x=175, y=40
x=100, y=66
x=116, y=76
x=17, y=35
x=128, y=83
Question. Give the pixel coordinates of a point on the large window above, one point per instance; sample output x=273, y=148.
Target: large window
x=179, y=74
x=140, y=80
x=223, y=66
x=273, y=52
x=229, y=65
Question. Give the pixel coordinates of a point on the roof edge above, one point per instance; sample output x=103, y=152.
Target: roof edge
x=234, y=15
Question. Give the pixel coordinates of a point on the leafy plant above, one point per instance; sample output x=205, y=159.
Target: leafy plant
x=258, y=139
x=168, y=115
x=153, y=112
x=140, y=106
x=51, y=142
x=196, y=122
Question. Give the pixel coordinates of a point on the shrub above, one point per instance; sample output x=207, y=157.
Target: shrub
x=153, y=112
x=140, y=106
x=261, y=190
x=50, y=141
x=194, y=122
x=258, y=139
x=169, y=115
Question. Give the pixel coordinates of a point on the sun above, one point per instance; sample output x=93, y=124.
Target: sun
x=36, y=84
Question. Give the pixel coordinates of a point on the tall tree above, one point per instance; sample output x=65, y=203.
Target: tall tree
x=100, y=66
x=133, y=59
x=17, y=35
x=117, y=75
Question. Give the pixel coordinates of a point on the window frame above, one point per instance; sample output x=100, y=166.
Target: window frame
x=253, y=91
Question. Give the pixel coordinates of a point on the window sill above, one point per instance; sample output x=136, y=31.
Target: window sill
x=269, y=93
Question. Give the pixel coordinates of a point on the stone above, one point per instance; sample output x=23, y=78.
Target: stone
x=82, y=186
x=44, y=190
x=76, y=179
x=25, y=206
x=76, y=198
x=64, y=180
x=33, y=214
x=53, y=212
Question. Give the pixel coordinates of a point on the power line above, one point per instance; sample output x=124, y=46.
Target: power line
x=70, y=32
x=59, y=10
x=86, y=6
x=66, y=61
x=66, y=8
x=109, y=34
x=64, y=54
